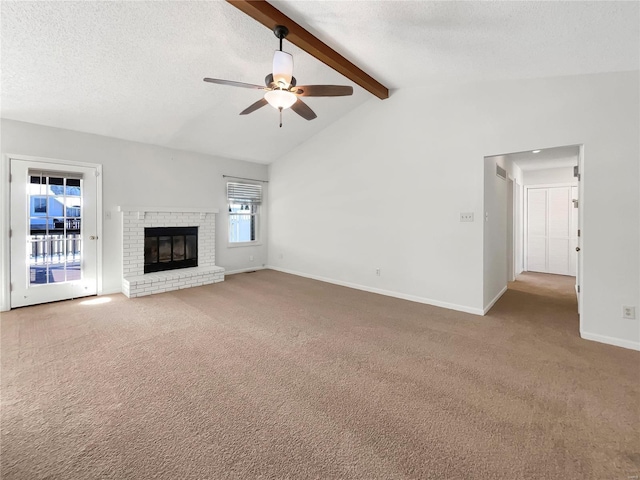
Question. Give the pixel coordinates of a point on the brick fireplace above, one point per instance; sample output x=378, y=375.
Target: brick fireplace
x=137, y=283
x=170, y=248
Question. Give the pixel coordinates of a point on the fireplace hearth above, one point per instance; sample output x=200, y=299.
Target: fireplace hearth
x=170, y=248
x=148, y=271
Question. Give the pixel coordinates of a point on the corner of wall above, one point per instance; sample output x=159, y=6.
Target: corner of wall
x=489, y=305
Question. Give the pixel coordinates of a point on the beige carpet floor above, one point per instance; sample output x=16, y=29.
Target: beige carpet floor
x=273, y=376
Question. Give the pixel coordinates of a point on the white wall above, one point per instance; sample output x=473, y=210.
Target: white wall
x=548, y=176
x=384, y=187
x=136, y=174
x=495, y=231
x=519, y=228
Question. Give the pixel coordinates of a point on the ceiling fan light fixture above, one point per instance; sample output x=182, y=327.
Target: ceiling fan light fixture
x=282, y=67
x=280, y=98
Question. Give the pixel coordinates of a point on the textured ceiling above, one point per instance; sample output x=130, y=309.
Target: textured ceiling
x=134, y=70
x=408, y=43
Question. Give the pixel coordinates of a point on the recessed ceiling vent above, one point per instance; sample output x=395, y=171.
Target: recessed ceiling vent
x=501, y=172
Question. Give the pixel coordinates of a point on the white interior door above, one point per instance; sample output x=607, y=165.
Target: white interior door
x=53, y=232
x=536, y=230
x=551, y=232
x=559, y=221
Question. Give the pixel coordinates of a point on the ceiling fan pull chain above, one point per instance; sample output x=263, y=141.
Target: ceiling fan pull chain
x=280, y=108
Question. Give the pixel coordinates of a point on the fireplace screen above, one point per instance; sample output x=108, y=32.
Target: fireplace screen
x=168, y=248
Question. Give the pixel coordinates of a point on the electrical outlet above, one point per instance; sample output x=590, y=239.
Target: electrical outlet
x=466, y=217
x=628, y=312
x=251, y=258
x=378, y=272
x=107, y=215
x=280, y=256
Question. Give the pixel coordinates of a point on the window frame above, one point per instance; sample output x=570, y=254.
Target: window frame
x=248, y=194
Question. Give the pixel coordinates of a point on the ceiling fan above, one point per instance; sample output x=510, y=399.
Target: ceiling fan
x=280, y=86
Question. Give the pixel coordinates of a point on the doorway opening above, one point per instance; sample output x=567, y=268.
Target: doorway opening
x=532, y=219
x=54, y=230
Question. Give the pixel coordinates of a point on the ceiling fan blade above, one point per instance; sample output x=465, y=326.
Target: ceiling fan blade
x=282, y=68
x=254, y=106
x=234, y=84
x=323, y=90
x=303, y=110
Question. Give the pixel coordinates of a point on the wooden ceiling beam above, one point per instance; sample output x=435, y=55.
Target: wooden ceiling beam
x=270, y=17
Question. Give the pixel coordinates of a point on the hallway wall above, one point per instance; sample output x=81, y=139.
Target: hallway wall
x=384, y=188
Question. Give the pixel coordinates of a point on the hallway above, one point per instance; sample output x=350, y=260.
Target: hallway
x=543, y=299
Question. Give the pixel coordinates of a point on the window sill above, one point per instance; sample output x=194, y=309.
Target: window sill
x=244, y=244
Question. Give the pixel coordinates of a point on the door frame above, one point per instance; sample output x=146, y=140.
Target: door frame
x=5, y=220
x=525, y=217
x=511, y=229
x=579, y=259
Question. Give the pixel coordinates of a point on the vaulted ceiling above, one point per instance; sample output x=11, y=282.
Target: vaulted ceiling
x=134, y=70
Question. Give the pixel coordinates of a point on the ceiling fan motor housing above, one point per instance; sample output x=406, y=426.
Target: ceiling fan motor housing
x=268, y=81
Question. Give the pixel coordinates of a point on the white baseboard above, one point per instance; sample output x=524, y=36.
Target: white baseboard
x=618, y=342
x=244, y=270
x=109, y=292
x=380, y=291
x=495, y=299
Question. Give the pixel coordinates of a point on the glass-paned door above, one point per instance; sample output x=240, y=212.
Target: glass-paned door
x=53, y=226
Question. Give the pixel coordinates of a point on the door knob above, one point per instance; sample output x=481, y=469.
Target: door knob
x=577, y=249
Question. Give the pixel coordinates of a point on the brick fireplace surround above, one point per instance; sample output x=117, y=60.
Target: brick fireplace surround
x=135, y=283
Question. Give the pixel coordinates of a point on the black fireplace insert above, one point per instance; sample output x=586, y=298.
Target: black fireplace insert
x=168, y=248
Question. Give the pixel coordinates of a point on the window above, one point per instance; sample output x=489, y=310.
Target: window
x=39, y=204
x=244, y=205
x=242, y=222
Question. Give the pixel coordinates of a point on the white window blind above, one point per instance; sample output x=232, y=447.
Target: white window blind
x=244, y=193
